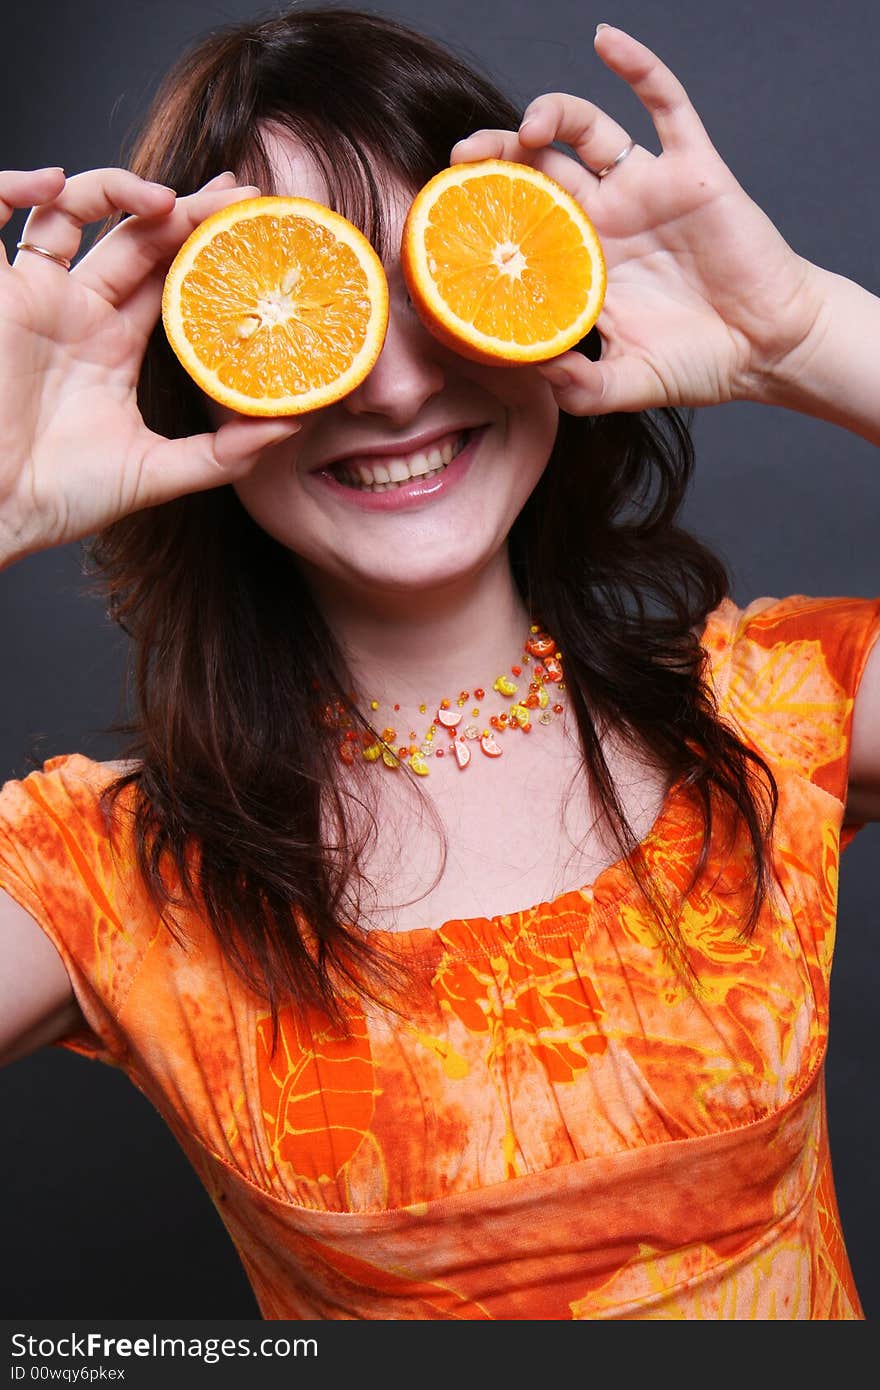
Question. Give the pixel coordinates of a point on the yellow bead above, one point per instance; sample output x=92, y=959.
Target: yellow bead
x=422, y=709
x=374, y=704
x=475, y=711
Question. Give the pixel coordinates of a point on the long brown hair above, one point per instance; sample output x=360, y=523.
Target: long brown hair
x=232, y=788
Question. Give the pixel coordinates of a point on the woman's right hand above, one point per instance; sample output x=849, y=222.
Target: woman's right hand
x=76, y=454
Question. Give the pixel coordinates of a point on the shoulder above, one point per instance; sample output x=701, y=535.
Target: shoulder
x=785, y=673
x=830, y=636
x=67, y=789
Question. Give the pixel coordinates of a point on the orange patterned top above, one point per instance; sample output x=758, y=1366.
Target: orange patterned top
x=559, y=1129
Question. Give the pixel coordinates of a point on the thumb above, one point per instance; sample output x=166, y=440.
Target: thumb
x=174, y=467
x=582, y=387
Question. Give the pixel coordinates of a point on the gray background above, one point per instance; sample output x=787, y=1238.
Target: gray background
x=101, y=1214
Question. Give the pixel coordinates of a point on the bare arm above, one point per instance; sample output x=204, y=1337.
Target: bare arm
x=37, y=1005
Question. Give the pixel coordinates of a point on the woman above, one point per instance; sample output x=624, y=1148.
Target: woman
x=538, y=1037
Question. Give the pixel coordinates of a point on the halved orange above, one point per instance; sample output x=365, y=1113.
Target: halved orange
x=502, y=263
x=276, y=306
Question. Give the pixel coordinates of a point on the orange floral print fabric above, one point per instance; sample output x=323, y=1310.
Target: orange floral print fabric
x=558, y=1128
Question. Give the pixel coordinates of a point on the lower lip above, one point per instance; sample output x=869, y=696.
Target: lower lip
x=414, y=493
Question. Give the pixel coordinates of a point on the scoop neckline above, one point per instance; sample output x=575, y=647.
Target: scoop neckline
x=424, y=940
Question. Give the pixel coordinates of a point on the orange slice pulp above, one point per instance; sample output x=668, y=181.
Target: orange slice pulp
x=276, y=306
x=502, y=263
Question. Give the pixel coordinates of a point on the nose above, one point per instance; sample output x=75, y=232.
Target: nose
x=408, y=371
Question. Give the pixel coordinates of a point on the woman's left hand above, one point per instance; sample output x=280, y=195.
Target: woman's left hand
x=706, y=302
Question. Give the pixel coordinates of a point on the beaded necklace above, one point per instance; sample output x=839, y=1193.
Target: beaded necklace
x=447, y=736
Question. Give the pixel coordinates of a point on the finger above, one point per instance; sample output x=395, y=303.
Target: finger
x=57, y=224
x=22, y=188
x=658, y=89
x=582, y=387
x=506, y=144
x=594, y=136
x=174, y=467
x=128, y=266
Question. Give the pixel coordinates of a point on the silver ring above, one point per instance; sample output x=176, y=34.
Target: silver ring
x=41, y=251
x=601, y=173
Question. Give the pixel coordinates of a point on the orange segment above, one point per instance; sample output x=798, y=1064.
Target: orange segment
x=276, y=306
x=502, y=263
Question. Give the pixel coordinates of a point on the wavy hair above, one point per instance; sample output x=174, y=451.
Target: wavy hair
x=232, y=790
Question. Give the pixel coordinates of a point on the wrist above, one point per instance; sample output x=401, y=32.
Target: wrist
x=780, y=370
x=831, y=369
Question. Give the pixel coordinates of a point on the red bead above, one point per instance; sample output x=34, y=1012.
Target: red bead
x=439, y=753
x=516, y=670
x=557, y=709
x=346, y=753
x=464, y=695
x=479, y=693
x=397, y=706
x=403, y=751
x=494, y=721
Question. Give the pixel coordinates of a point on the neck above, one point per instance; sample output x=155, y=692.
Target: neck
x=410, y=647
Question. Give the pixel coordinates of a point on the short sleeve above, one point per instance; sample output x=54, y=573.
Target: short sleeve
x=56, y=862
x=786, y=673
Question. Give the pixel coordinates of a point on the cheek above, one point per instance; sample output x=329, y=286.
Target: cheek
x=525, y=394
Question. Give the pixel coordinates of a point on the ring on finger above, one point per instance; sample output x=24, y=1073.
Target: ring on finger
x=627, y=149
x=41, y=251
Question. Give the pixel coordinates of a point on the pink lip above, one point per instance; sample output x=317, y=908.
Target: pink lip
x=411, y=494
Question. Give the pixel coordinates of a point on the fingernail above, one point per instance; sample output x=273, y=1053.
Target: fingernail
x=218, y=178
x=164, y=187
x=50, y=169
x=524, y=125
x=602, y=26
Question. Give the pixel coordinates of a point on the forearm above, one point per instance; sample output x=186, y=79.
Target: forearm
x=834, y=374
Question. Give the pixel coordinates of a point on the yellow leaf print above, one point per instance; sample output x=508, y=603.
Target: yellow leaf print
x=789, y=703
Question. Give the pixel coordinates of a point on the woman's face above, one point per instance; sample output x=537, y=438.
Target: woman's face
x=419, y=398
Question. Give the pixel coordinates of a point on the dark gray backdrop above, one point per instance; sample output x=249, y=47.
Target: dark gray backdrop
x=101, y=1214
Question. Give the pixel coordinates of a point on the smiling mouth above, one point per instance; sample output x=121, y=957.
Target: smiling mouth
x=386, y=474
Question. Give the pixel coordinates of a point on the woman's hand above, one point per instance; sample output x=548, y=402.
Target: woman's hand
x=76, y=453
x=706, y=302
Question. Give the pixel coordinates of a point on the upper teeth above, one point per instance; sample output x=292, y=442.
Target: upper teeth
x=398, y=468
